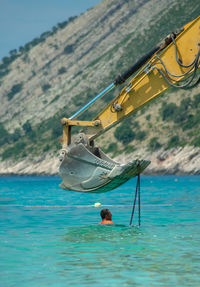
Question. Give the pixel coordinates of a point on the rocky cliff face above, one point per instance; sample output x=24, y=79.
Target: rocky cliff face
x=59, y=75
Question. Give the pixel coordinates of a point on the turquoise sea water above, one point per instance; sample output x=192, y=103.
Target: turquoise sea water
x=50, y=237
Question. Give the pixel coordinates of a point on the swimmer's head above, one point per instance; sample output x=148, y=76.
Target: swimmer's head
x=106, y=214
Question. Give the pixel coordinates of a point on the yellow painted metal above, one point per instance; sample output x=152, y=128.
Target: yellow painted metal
x=67, y=124
x=146, y=85
x=149, y=84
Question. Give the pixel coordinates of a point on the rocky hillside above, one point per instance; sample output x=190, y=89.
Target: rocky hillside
x=58, y=72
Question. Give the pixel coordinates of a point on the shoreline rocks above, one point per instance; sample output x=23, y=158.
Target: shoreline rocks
x=181, y=160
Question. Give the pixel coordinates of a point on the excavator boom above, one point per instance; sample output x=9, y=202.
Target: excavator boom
x=173, y=62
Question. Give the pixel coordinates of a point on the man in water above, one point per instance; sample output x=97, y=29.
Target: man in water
x=106, y=216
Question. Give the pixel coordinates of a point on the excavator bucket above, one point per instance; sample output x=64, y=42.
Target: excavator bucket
x=87, y=169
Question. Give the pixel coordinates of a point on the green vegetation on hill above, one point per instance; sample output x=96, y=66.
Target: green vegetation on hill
x=14, y=90
x=29, y=140
x=184, y=120
x=186, y=116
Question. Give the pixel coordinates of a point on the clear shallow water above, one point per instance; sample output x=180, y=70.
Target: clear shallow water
x=50, y=237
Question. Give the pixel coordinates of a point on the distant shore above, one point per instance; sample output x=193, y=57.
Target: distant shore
x=182, y=160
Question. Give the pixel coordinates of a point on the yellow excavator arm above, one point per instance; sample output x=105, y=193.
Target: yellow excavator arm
x=173, y=62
